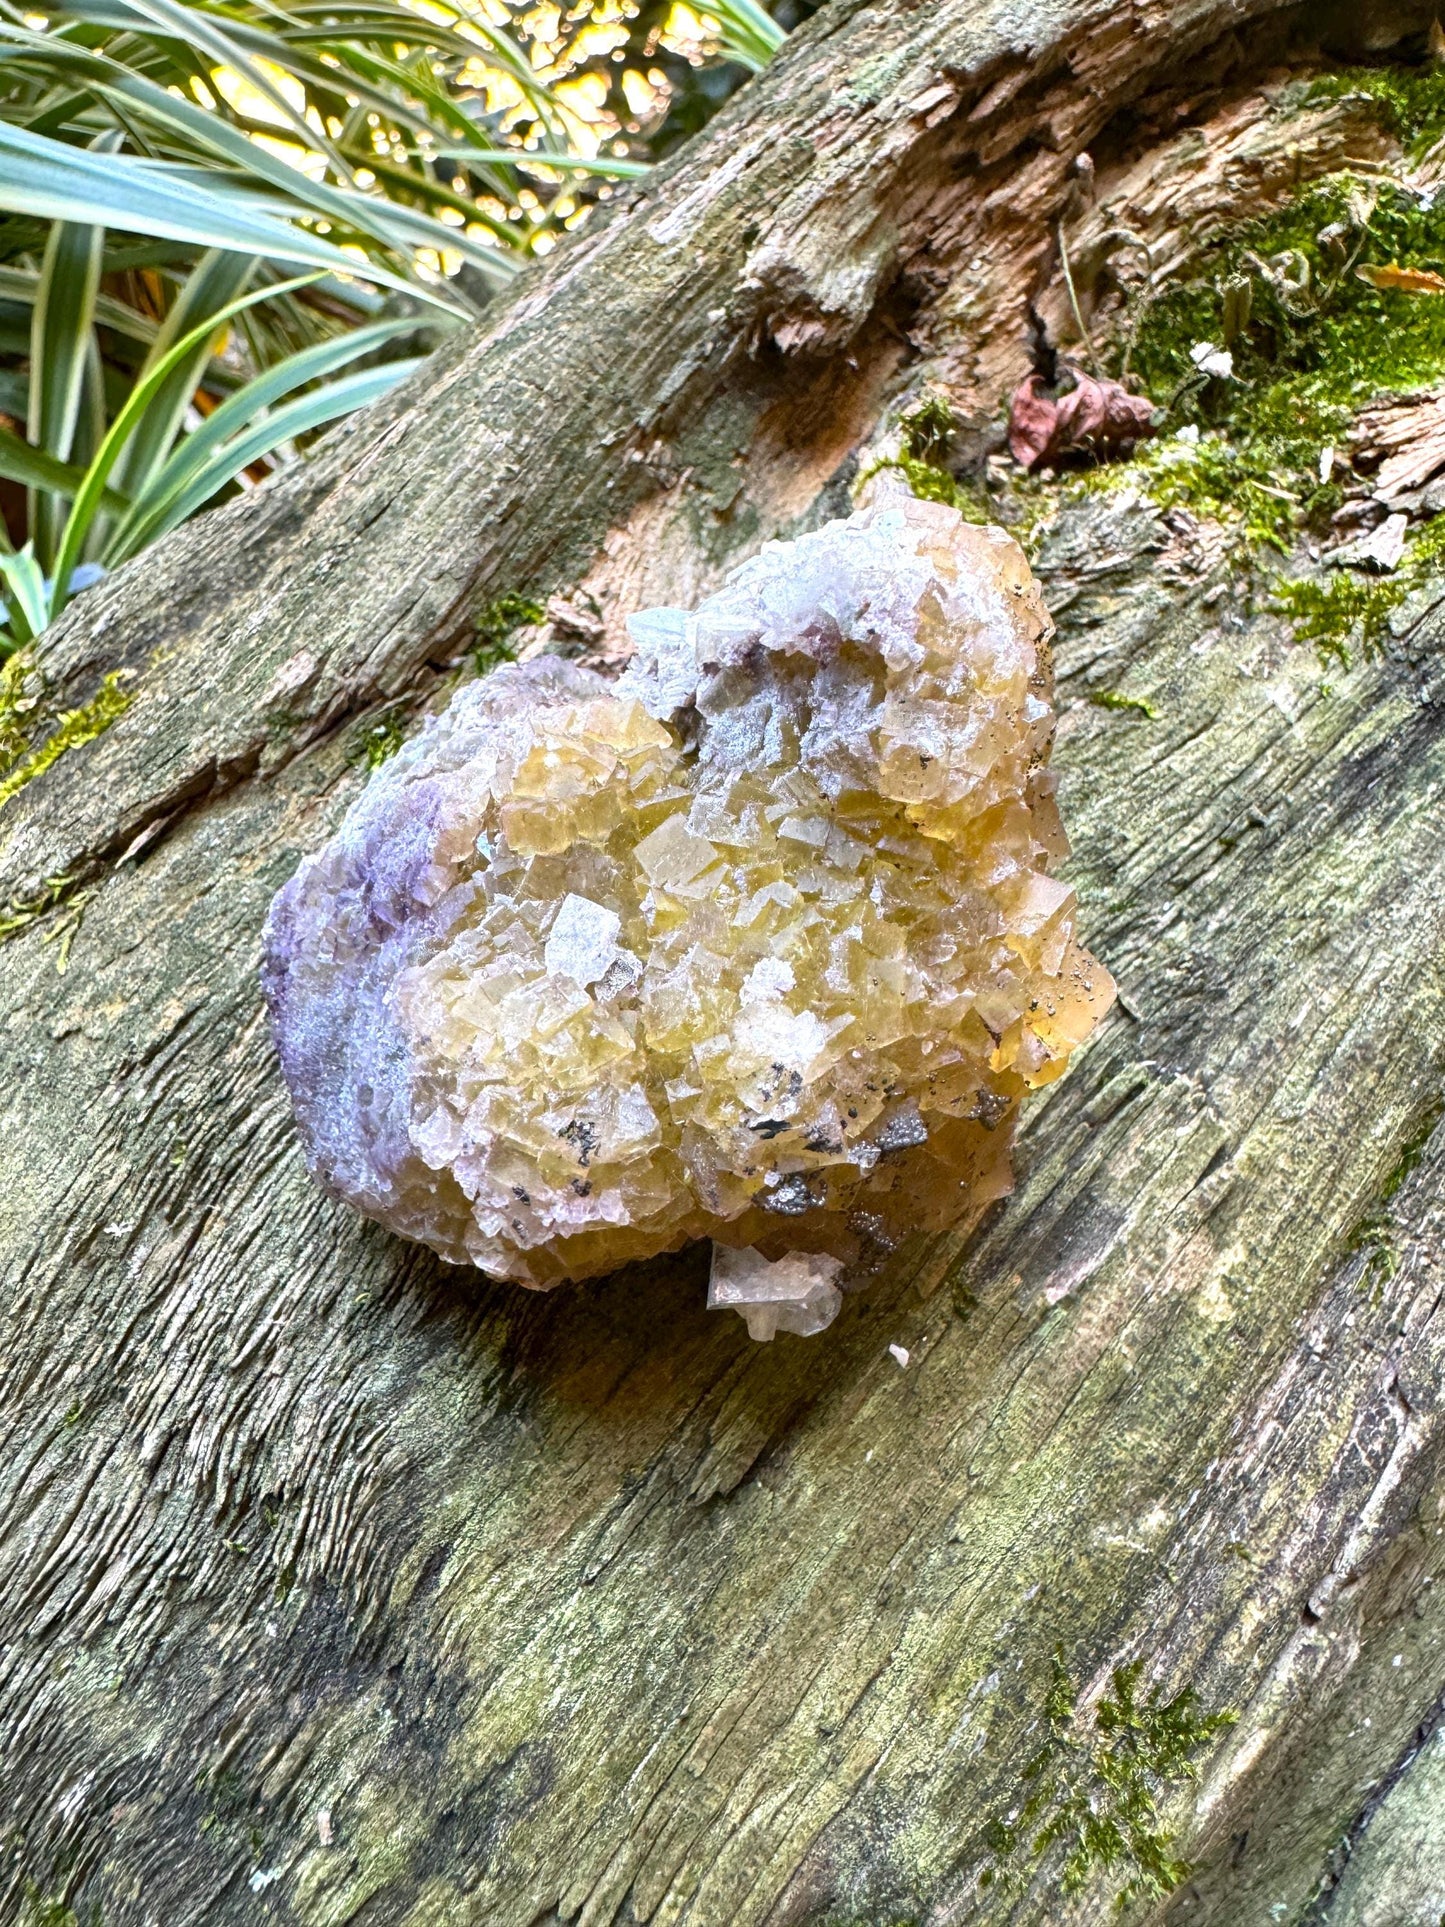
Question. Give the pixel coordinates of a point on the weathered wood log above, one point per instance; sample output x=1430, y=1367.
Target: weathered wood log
x=337, y=1586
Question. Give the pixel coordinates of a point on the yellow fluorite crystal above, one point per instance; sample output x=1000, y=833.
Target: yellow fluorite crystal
x=757, y=944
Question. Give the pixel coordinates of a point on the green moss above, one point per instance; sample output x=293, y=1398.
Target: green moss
x=925, y=434
x=54, y=1910
x=933, y=484
x=18, y=699
x=21, y=758
x=1410, y=100
x=382, y=741
x=1210, y=477
x=929, y=428
x=497, y=624
x=21, y=912
x=1318, y=338
x=64, y=933
x=1113, y=699
x=1375, y=1234
x=46, y=1910
x=1413, y=1151
x=230, y=1803
x=1311, y=341
x=1092, y=1788
x=1330, y=612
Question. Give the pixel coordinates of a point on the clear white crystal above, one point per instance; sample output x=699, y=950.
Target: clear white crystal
x=796, y=1293
x=583, y=944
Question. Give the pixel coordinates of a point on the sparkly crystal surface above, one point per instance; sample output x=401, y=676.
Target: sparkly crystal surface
x=757, y=943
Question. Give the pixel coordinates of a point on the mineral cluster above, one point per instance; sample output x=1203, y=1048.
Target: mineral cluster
x=756, y=944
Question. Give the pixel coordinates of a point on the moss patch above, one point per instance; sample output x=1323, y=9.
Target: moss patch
x=1345, y=606
x=41, y=1909
x=496, y=626
x=925, y=434
x=18, y=701
x=1414, y=1149
x=382, y=741
x=1311, y=342
x=1211, y=477
x=21, y=912
x=1114, y=699
x=1410, y=100
x=1329, y=613
x=1375, y=1235
x=1309, y=338
x=1093, y=1788
x=1318, y=339
x=21, y=758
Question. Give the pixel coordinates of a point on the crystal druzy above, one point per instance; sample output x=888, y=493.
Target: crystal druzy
x=757, y=943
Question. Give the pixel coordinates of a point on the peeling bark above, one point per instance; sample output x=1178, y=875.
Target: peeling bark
x=338, y=1587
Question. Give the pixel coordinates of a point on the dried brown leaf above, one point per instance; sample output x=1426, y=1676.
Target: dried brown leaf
x=1099, y=415
x=1032, y=423
x=1403, y=280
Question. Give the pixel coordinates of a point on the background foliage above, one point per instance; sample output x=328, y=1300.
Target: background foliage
x=226, y=223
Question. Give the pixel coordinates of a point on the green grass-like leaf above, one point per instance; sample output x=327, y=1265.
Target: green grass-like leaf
x=61, y=183
x=60, y=345
x=210, y=455
x=152, y=383
x=157, y=157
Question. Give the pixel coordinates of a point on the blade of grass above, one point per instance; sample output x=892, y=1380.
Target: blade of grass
x=26, y=602
x=23, y=285
x=151, y=508
x=87, y=498
x=529, y=157
x=364, y=64
x=355, y=70
x=750, y=35
x=195, y=27
x=395, y=24
x=102, y=380
x=216, y=279
x=19, y=462
x=400, y=180
x=90, y=427
x=57, y=182
x=306, y=412
x=60, y=331
x=395, y=226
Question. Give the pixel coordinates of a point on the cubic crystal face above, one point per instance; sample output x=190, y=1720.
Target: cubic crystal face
x=757, y=943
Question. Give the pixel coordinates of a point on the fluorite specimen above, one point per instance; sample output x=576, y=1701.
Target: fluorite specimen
x=756, y=944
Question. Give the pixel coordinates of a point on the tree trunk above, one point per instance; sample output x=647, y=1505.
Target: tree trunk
x=341, y=1587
